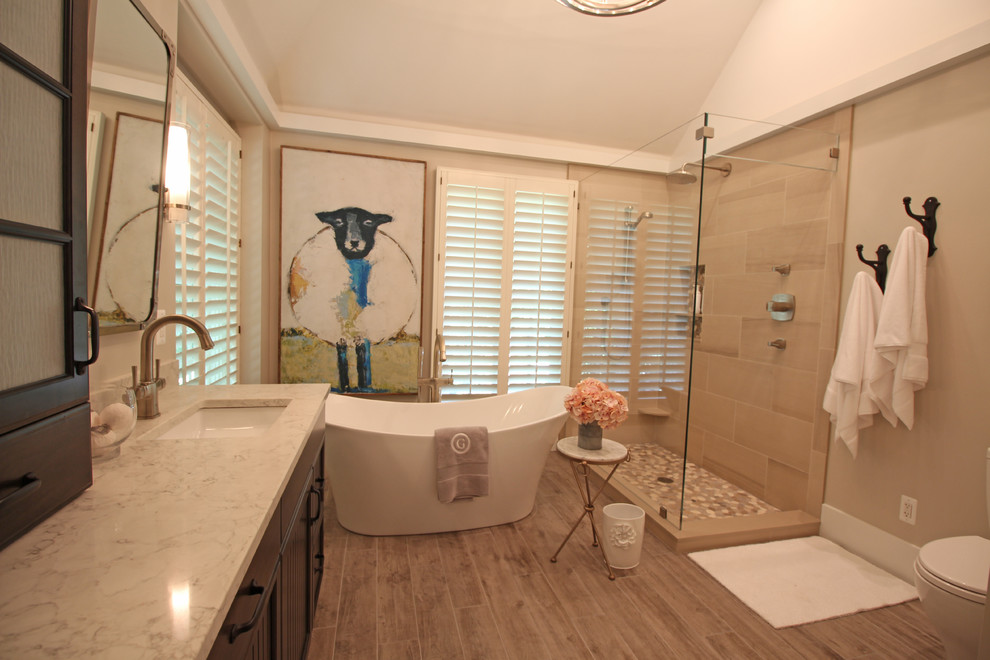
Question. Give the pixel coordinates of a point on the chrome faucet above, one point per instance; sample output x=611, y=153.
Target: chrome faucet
x=147, y=384
x=439, y=354
x=429, y=388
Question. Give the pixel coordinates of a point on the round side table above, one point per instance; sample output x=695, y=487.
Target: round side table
x=612, y=453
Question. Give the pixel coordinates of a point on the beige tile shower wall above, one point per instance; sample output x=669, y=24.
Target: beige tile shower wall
x=755, y=414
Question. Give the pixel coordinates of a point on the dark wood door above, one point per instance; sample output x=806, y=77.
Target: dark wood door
x=44, y=389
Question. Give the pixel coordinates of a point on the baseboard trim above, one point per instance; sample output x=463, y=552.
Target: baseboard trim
x=880, y=548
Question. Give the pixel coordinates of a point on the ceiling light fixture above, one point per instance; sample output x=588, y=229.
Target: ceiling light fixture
x=609, y=7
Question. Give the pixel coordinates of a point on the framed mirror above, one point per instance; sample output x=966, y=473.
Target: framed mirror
x=130, y=84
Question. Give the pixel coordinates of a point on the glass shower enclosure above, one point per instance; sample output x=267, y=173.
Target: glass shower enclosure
x=708, y=295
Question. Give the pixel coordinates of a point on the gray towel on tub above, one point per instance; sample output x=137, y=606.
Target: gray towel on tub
x=462, y=462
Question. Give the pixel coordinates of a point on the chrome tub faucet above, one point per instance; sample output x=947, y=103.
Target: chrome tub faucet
x=429, y=387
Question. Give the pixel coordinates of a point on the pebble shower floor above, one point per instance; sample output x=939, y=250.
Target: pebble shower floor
x=656, y=473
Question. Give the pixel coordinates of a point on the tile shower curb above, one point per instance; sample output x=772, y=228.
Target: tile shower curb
x=713, y=533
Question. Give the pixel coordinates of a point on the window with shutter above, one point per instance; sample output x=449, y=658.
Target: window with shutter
x=207, y=246
x=606, y=351
x=668, y=280
x=504, y=250
x=636, y=318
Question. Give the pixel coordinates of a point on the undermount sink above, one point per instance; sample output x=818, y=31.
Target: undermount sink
x=243, y=422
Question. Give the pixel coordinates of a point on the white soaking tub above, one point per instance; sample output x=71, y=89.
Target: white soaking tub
x=381, y=460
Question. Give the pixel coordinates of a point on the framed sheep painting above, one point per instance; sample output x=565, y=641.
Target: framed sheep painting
x=351, y=270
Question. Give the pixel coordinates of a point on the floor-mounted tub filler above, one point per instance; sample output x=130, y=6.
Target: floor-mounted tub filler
x=381, y=460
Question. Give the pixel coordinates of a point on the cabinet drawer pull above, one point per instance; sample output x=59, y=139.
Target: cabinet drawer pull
x=319, y=504
x=25, y=485
x=254, y=589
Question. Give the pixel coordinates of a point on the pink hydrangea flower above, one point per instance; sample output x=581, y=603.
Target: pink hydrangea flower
x=592, y=402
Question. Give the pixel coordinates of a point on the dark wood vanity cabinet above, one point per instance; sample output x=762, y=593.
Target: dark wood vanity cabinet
x=249, y=630
x=317, y=495
x=272, y=614
x=302, y=562
x=44, y=412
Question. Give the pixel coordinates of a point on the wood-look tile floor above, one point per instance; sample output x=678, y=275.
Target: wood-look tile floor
x=493, y=593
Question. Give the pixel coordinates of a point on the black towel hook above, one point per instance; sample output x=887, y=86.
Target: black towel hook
x=927, y=220
x=880, y=265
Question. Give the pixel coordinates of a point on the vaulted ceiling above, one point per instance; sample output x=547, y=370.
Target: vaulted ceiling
x=532, y=77
x=523, y=67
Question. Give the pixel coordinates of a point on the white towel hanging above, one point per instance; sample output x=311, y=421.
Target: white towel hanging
x=901, y=339
x=847, y=397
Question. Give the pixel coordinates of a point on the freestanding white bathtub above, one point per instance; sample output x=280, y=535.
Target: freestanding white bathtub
x=381, y=460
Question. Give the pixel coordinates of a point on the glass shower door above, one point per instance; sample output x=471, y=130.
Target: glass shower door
x=675, y=272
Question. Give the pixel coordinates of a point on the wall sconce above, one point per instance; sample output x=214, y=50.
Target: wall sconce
x=177, y=174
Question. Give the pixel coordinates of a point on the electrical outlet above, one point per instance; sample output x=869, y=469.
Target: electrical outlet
x=909, y=509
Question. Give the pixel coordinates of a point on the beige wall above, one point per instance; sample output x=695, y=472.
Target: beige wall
x=166, y=12
x=929, y=139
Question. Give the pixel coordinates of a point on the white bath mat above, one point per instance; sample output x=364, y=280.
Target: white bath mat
x=802, y=580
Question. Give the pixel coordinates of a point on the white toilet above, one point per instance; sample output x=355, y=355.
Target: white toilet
x=951, y=577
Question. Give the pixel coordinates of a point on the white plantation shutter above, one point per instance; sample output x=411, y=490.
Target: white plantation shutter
x=504, y=248
x=540, y=272
x=668, y=281
x=207, y=246
x=606, y=352
x=636, y=323
x=472, y=285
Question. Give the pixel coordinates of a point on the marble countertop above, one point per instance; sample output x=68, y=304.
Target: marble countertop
x=146, y=562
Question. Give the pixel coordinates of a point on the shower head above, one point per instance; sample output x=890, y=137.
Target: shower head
x=682, y=176
x=645, y=215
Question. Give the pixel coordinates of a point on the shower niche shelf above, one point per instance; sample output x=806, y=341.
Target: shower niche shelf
x=653, y=411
